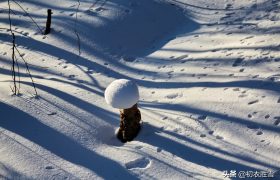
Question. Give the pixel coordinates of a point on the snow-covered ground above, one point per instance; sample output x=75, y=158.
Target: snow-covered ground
x=208, y=74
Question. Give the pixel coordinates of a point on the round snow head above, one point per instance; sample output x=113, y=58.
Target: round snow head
x=122, y=94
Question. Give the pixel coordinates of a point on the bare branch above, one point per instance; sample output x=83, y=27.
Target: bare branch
x=15, y=89
x=28, y=71
x=28, y=16
x=75, y=30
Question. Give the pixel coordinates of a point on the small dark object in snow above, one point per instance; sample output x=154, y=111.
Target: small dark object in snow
x=219, y=137
x=52, y=113
x=49, y=167
x=277, y=122
x=253, y=102
x=128, y=58
x=267, y=116
x=202, y=135
x=237, y=62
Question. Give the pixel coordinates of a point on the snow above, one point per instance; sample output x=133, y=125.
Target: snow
x=207, y=73
x=122, y=94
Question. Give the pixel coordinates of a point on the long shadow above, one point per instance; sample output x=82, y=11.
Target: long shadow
x=204, y=8
x=228, y=154
x=86, y=106
x=9, y=173
x=270, y=47
x=128, y=37
x=253, y=84
x=223, y=117
x=30, y=128
x=188, y=153
x=37, y=69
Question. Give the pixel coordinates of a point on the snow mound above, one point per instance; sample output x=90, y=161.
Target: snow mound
x=122, y=94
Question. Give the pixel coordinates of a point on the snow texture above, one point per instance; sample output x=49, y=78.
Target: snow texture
x=207, y=71
x=122, y=94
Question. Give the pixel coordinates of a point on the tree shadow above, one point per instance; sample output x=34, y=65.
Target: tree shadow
x=9, y=173
x=144, y=29
x=223, y=117
x=186, y=152
x=62, y=146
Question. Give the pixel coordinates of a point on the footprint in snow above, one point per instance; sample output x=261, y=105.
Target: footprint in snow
x=228, y=6
x=202, y=135
x=241, y=70
x=182, y=57
x=253, y=102
x=237, y=62
x=242, y=95
x=236, y=89
x=173, y=95
x=249, y=37
x=100, y=9
x=71, y=76
x=159, y=149
x=52, y=113
x=267, y=116
x=138, y=147
x=25, y=33
x=219, y=137
x=277, y=122
x=49, y=167
x=274, y=78
x=141, y=163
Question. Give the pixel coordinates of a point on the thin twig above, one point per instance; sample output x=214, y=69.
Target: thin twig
x=28, y=16
x=28, y=71
x=14, y=88
x=75, y=30
x=13, y=66
x=18, y=74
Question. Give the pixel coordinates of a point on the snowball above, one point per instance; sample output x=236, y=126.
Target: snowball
x=122, y=94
